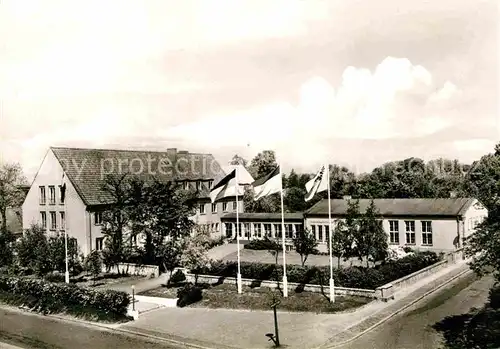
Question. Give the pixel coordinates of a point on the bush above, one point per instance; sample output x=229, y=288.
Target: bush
x=353, y=277
x=494, y=297
x=46, y=297
x=264, y=244
x=178, y=277
x=189, y=294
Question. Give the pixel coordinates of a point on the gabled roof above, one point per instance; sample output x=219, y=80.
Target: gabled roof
x=87, y=169
x=449, y=207
x=250, y=216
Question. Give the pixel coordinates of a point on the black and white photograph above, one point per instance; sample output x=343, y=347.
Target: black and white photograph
x=249, y=174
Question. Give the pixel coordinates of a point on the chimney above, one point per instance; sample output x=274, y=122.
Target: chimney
x=346, y=197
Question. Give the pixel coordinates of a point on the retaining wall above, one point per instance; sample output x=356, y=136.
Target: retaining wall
x=135, y=269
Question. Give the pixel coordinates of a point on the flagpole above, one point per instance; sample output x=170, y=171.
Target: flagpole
x=238, y=275
x=285, y=281
x=66, y=274
x=330, y=232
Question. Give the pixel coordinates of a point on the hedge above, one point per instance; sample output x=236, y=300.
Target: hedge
x=260, y=245
x=47, y=297
x=352, y=277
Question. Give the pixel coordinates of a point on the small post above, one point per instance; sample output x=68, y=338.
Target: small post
x=276, y=325
x=133, y=298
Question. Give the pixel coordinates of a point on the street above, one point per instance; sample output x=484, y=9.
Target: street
x=413, y=329
x=34, y=332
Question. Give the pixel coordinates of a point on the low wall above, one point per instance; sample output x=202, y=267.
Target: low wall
x=344, y=291
x=135, y=269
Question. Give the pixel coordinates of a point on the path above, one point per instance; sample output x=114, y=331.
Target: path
x=246, y=329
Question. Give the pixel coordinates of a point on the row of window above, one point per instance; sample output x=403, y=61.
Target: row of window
x=426, y=229
x=53, y=220
x=186, y=184
x=225, y=207
x=52, y=195
x=99, y=242
x=263, y=229
x=317, y=231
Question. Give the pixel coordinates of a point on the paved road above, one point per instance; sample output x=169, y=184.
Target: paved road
x=413, y=328
x=34, y=332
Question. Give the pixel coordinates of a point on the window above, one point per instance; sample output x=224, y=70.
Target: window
x=62, y=216
x=53, y=221
x=327, y=233
x=320, y=232
x=198, y=185
x=239, y=226
x=133, y=240
x=257, y=229
x=214, y=208
x=99, y=244
x=61, y=196
x=216, y=226
x=298, y=228
x=426, y=233
x=235, y=205
x=202, y=208
x=210, y=184
x=313, y=231
x=268, y=230
x=288, y=231
x=224, y=206
x=410, y=232
x=42, y=196
x=229, y=229
x=98, y=218
x=43, y=219
x=246, y=230
x=277, y=229
x=394, y=232
x=52, y=195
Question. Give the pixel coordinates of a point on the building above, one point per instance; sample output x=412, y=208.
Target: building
x=430, y=224
x=259, y=225
x=84, y=171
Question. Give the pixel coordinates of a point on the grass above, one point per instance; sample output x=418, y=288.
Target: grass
x=260, y=298
x=101, y=281
x=292, y=257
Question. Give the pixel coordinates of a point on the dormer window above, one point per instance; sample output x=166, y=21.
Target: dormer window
x=210, y=184
x=198, y=185
x=185, y=185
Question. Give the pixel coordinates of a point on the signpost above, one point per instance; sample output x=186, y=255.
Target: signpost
x=276, y=337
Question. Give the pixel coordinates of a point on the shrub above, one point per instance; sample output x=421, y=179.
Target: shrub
x=494, y=297
x=178, y=277
x=407, y=249
x=189, y=294
x=264, y=244
x=46, y=297
x=353, y=277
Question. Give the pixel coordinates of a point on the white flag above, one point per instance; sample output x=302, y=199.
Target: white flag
x=318, y=184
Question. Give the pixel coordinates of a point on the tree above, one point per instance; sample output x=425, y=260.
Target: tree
x=195, y=256
x=274, y=248
x=93, y=264
x=269, y=204
x=262, y=164
x=341, y=243
x=11, y=196
x=370, y=238
x=116, y=218
x=56, y=254
x=305, y=244
x=170, y=255
x=11, y=177
x=32, y=251
x=238, y=160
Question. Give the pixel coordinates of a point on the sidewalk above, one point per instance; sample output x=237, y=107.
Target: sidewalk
x=223, y=328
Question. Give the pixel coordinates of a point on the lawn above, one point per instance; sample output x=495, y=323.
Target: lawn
x=102, y=281
x=260, y=298
x=292, y=257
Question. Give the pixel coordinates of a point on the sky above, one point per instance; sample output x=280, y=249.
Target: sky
x=352, y=82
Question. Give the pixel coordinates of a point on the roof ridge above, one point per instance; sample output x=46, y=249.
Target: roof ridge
x=129, y=150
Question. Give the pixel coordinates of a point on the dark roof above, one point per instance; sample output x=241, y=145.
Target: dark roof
x=398, y=207
x=87, y=168
x=247, y=216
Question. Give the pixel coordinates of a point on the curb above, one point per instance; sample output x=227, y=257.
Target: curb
x=397, y=312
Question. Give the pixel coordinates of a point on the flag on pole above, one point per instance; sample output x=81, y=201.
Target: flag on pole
x=220, y=188
x=268, y=184
x=63, y=189
x=318, y=184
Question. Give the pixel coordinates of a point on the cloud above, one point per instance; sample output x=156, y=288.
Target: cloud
x=366, y=105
